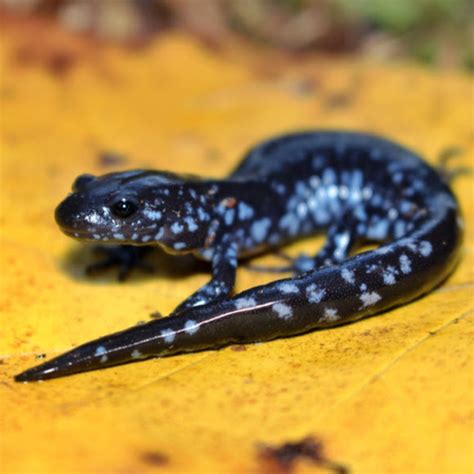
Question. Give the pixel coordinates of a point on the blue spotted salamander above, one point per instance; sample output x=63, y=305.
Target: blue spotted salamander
x=356, y=187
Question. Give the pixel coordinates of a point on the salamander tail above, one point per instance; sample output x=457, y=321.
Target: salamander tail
x=138, y=342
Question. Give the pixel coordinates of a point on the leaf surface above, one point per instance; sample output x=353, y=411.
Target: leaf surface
x=393, y=393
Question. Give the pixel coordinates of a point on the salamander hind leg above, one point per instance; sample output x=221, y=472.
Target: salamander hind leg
x=339, y=242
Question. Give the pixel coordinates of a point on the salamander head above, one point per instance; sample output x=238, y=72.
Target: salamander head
x=138, y=207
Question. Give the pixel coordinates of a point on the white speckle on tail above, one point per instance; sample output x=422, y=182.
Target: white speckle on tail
x=405, y=264
x=101, y=351
x=348, y=275
x=330, y=314
x=136, y=354
x=191, y=327
x=287, y=287
x=119, y=236
x=371, y=268
x=283, y=310
x=314, y=293
x=369, y=298
x=425, y=248
x=389, y=277
x=244, y=302
x=168, y=335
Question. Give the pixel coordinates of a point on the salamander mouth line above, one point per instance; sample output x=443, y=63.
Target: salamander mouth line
x=98, y=237
x=91, y=237
x=80, y=234
x=95, y=238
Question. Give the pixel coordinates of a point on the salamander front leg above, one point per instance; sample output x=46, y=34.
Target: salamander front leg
x=224, y=267
x=125, y=257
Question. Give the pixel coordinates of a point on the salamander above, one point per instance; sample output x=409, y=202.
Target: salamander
x=356, y=187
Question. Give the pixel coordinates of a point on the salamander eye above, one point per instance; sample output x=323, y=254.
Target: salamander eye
x=123, y=208
x=81, y=181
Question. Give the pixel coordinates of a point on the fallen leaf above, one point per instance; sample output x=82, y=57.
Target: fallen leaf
x=393, y=393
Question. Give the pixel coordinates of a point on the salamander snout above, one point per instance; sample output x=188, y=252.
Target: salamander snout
x=77, y=217
x=62, y=214
x=66, y=214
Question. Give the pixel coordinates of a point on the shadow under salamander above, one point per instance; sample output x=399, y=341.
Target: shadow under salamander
x=163, y=266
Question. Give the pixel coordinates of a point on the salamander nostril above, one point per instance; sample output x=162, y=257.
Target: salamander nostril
x=81, y=181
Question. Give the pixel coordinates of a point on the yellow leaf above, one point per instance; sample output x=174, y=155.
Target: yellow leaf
x=393, y=393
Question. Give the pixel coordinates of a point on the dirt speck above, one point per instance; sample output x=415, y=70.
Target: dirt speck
x=108, y=159
x=282, y=459
x=238, y=348
x=154, y=458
